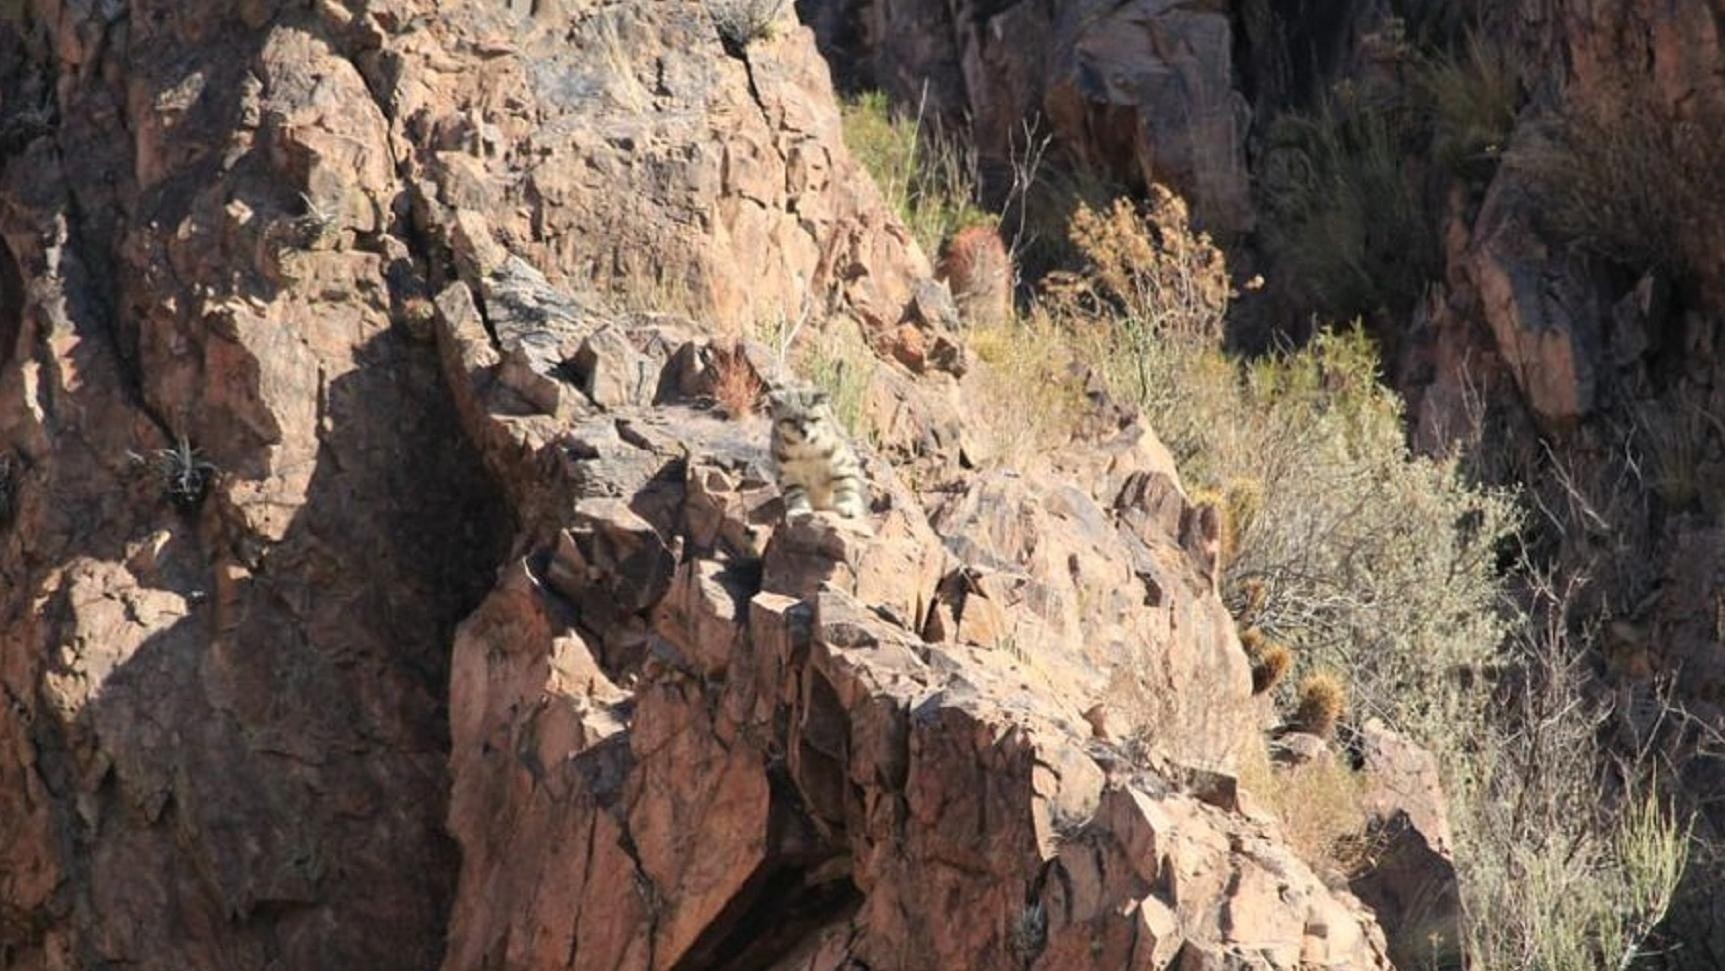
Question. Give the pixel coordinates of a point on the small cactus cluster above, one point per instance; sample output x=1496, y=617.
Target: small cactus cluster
x=1270, y=659
x=1320, y=704
x=1236, y=504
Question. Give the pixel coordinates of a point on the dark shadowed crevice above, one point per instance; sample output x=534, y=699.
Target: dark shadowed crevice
x=11, y=306
x=802, y=887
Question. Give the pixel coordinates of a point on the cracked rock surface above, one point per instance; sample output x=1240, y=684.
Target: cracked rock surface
x=488, y=646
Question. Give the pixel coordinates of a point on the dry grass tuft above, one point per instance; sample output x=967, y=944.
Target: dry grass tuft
x=1630, y=183
x=1321, y=702
x=1320, y=805
x=1027, y=400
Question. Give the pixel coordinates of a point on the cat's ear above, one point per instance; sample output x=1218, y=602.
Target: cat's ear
x=819, y=396
x=776, y=400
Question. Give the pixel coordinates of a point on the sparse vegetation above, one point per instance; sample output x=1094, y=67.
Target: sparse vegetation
x=317, y=226
x=743, y=22
x=839, y=361
x=1555, y=871
x=1346, y=229
x=1472, y=96
x=1320, y=806
x=1382, y=567
x=928, y=177
x=185, y=474
x=1630, y=183
x=1028, y=401
x=1349, y=216
x=1674, y=435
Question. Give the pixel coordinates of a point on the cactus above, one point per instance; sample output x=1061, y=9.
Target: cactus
x=1270, y=665
x=1321, y=699
x=1270, y=659
x=1236, y=504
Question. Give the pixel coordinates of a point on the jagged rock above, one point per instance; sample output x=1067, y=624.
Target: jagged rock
x=518, y=594
x=1543, y=306
x=1411, y=885
x=1143, y=90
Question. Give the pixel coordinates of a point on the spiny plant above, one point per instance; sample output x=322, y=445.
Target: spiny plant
x=1321, y=699
x=184, y=472
x=736, y=388
x=1236, y=505
x=1270, y=659
x=317, y=226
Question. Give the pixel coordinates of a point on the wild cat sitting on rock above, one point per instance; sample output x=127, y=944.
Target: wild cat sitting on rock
x=817, y=468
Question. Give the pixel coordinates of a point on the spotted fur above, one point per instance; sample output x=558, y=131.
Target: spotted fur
x=816, y=467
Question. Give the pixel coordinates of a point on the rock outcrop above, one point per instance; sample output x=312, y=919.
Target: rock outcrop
x=759, y=744
x=1145, y=91
x=476, y=638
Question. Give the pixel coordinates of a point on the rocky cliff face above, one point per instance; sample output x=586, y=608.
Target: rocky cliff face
x=470, y=635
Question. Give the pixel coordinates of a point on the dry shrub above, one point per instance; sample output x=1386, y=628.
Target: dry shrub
x=976, y=266
x=1146, y=271
x=1321, y=806
x=1564, y=858
x=1630, y=182
x=742, y=22
x=736, y=388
